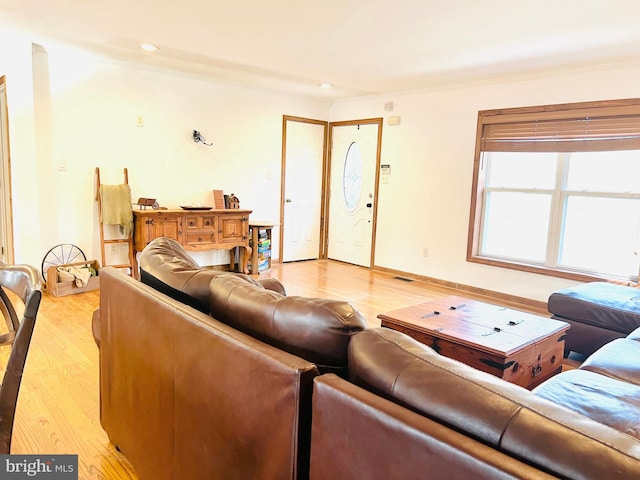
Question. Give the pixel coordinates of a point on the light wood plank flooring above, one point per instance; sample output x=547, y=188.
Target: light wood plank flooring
x=58, y=407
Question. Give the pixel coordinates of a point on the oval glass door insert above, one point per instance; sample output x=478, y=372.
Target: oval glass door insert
x=352, y=177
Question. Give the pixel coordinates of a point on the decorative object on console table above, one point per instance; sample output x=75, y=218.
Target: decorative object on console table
x=260, y=243
x=234, y=202
x=143, y=203
x=213, y=229
x=218, y=199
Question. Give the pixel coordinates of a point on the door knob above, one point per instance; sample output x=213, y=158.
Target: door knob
x=288, y=200
x=369, y=205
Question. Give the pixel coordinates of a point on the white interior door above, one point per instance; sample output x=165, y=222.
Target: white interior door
x=352, y=192
x=303, y=164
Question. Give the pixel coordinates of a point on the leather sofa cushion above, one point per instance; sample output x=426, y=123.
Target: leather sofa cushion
x=166, y=266
x=316, y=329
x=505, y=416
x=602, y=304
x=635, y=335
x=604, y=399
x=619, y=359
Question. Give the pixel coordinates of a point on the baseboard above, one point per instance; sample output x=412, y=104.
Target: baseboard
x=534, y=306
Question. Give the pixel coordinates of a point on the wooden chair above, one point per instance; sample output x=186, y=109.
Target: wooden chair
x=20, y=281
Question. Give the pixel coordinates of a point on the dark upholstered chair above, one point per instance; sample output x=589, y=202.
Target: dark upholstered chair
x=598, y=312
x=23, y=282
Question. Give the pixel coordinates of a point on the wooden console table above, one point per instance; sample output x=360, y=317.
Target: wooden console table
x=196, y=230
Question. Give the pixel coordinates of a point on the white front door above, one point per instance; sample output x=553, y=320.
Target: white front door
x=302, y=196
x=354, y=159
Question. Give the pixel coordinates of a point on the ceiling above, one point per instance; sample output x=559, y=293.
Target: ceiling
x=362, y=47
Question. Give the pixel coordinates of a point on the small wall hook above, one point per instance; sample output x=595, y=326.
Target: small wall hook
x=197, y=137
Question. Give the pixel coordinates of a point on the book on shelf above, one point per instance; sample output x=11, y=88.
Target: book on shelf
x=265, y=241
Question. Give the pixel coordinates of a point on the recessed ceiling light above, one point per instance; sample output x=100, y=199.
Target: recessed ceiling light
x=325, y=85
x=148, y=47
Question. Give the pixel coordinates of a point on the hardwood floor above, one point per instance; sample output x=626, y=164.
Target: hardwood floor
x=58, y=407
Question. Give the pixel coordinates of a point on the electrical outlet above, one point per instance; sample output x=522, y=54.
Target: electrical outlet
x=140, y=120
x=425, y=252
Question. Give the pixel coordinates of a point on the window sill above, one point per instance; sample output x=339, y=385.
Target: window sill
x=551, y=272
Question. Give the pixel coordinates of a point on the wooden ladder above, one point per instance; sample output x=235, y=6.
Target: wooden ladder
x=114, y=241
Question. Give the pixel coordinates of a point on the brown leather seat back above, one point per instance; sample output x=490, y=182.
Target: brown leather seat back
x=358, y=435
x=185, y=396
x=502, y=415
x=318, y=330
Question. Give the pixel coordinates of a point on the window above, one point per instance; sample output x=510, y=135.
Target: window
x=557, y=190
x=352, y=177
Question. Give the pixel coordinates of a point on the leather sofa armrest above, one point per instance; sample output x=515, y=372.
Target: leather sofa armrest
x=167, y=267
x=273, y=284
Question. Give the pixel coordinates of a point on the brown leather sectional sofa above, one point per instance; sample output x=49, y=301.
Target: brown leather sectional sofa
x=268, y=386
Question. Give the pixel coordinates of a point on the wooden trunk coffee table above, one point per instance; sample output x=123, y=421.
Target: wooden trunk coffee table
x=519, y=347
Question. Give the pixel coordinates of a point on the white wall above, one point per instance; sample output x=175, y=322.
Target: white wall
x=67, y=105
x=82, y=112
x=16, y=65
x=426, y=202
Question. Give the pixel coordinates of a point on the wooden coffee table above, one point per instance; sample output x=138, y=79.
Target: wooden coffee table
x=519, y=347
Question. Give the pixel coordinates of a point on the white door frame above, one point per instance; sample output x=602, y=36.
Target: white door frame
x=285, y=120
x=332, y=125
x=324, y=216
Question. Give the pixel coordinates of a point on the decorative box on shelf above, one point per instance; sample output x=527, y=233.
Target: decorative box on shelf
x=59, y=288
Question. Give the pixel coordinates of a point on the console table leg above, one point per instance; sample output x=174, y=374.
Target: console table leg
x=241, y=262
x=245, y=256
